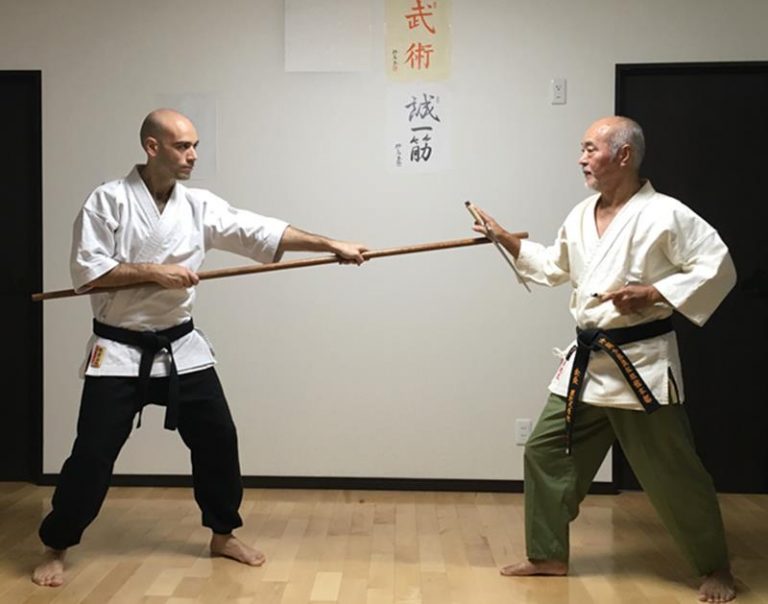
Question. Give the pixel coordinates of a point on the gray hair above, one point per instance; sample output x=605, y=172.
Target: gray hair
x=628, y=132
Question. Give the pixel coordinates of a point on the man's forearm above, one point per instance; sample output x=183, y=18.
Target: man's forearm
x=510, y=242
x=166, y=275
x=126, y=274
x=296, y=240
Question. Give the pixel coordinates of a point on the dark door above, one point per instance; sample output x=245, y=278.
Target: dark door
x=21, y=261
x=706, y=128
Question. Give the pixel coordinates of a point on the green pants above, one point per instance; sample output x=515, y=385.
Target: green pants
x=659, y=447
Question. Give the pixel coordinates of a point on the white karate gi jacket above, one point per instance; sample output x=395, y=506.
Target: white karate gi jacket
x=120, y=223
x=655, y=240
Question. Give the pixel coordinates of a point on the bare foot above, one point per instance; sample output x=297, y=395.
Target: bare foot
x=230, y=546
x=717, y=587
x=556, y=568
x=50, y=572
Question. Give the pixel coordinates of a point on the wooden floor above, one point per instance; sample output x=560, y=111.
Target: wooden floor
x=366, y=547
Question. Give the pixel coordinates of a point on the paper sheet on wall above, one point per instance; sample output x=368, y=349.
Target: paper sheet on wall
x=327, y=35
x=418, y=42
x=201, y=109
x=418, y=128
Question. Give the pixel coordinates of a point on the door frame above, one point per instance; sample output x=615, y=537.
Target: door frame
x=29, y=423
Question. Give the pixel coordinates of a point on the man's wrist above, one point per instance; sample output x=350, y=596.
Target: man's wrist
x=654, y=296
x=510, y=242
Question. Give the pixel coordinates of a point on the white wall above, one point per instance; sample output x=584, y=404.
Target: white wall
x=407, y=367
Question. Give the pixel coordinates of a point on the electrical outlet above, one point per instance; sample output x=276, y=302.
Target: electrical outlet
x=557, y=91
x=523, y=429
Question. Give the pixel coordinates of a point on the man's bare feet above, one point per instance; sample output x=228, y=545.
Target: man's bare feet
x=50, y=572
x=230, y=546
x=556, y=568
x=718, y=587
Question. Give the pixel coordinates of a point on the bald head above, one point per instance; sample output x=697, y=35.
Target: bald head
x=169, y=139
x=162, y=122
x=618, y=132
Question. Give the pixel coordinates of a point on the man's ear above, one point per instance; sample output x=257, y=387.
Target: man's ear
x=625, y=156
x=151, y=146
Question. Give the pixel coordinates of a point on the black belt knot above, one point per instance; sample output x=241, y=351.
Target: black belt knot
x=587, y=337
x=149, y=340
x=150, y=343
x=609, y=340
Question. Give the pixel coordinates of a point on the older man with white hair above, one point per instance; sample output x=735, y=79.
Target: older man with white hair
x=633, y=256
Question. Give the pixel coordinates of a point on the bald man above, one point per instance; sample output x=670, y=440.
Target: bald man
x=633, y=256
x=149, y=228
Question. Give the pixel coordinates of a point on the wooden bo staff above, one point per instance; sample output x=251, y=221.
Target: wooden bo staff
x=279, y=266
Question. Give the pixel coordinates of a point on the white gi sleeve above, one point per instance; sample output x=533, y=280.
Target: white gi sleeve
x=240, y=231
x=545, y=265
x=705, y=272
x=93, y=244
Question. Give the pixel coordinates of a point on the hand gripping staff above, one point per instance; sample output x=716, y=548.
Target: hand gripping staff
x=279, y=266
x=492, y=237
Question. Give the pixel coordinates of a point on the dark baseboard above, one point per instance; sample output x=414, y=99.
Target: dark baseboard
x=339, y=483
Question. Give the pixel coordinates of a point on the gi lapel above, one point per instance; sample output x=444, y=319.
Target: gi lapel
x=618, y=233
x=149, y=237
x=162, y=233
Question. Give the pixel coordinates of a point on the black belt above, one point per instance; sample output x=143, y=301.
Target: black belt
x=151, y=342
x=609, y=340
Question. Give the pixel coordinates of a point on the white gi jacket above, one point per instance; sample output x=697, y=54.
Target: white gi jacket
x=120, y=223
x=655, y=240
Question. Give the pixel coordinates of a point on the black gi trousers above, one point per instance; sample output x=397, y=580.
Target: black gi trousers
x=107, y=411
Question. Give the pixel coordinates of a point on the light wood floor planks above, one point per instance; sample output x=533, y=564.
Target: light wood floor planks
x=366, y=547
